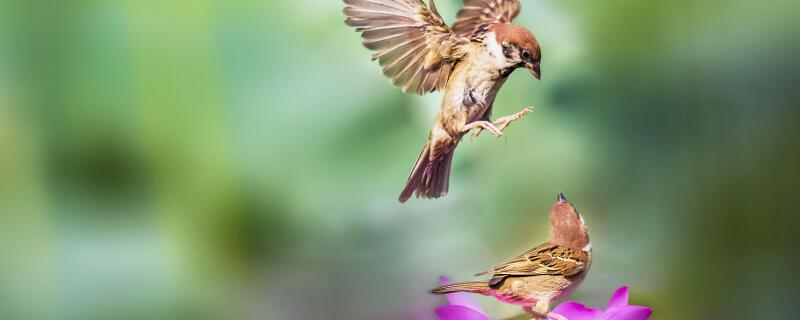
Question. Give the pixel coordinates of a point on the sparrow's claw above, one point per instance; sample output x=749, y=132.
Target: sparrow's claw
x=542, y=311
x=475, y=133
x=555, y=316
x=503, y=122
x=496, y=127
x=534, y=314
x=484, y=125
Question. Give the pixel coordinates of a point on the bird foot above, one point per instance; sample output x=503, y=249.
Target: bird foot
x=556, y=316
x=541, y=311
x=484, y=125
x=502, y=123
x=536, y=315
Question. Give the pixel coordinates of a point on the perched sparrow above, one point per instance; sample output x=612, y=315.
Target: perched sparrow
x=469, y=61
x=544, y=274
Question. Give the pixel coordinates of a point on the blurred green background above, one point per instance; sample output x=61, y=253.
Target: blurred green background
x=242, y=159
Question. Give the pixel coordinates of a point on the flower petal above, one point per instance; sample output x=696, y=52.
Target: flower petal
x=461, y=298
x=619, y=299
x=576, y=311
x=452, y=312
x=626, y=313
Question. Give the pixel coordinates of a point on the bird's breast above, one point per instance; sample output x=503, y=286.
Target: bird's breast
x=471, y=90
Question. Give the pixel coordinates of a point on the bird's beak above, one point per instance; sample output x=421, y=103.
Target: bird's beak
x=561, y=198
x=535, y=70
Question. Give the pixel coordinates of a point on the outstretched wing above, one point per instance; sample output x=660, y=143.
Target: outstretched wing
x=478, y=15
x=546, y=259
x=416, y=49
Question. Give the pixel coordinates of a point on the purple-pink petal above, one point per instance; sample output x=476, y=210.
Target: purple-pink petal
x=455, y=312
x=626, y=313
x=576, y=311
x=461, y=298
x=619, y=299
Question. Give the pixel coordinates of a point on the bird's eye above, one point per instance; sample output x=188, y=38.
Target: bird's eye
x=526, y=55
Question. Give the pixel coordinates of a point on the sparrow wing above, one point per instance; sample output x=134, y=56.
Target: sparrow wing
x=546, y=259
x=416, y=49
x=478, y=15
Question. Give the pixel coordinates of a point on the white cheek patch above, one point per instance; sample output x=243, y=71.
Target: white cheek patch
x=494, y=48
x=588, y=247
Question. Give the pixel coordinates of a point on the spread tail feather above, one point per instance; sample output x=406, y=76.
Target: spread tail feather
x=480, y=287
x=430, y=177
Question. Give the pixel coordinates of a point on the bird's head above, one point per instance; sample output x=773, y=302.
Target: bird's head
x=567, y=227
x=519, y=47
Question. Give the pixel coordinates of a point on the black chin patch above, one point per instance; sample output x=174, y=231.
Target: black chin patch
x=504, y=73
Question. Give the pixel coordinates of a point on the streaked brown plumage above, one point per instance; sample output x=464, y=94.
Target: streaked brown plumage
x=468, y=62
x=544, y=274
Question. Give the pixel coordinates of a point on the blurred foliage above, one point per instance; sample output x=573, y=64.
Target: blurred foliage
x=241, y=160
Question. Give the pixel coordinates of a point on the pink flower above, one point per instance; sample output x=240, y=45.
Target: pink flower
x=462, y=306
x=616, y=309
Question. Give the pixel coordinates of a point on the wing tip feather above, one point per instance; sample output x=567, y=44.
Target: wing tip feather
x=405, y=51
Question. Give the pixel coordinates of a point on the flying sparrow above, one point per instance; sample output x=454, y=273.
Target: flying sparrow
x=544, y=274
x=469, y=62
